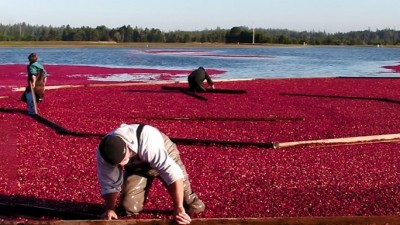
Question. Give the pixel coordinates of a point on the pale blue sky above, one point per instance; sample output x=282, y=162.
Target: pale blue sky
x=168, y=15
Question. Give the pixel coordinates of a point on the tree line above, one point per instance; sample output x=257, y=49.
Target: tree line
x=240, y=34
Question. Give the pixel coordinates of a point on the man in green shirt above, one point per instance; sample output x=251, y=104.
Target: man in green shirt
x=37, y=75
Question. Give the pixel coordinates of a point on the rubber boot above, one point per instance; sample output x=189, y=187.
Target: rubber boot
x=191, y=202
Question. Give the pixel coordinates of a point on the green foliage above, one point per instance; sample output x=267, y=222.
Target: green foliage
x=126, y=34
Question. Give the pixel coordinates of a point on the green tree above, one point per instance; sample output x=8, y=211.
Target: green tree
x=233, y=36
x=117, y=37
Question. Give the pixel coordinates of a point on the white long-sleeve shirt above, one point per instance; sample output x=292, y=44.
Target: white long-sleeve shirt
x=151, y=149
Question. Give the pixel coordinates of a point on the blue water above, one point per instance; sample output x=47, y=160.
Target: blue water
x=273, y=62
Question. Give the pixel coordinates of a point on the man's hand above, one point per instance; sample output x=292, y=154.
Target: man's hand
x=181, y=217
x=109, y=215
x=33, y=81
x=110, y=200
x=213, y=87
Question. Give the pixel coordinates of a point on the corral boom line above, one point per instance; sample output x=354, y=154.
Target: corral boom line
x=225, y=118
x=218, y=142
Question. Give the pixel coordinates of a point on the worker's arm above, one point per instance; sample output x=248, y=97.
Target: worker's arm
x=33, y=81
x=110, y=201
x=209, y=81
x=155, y=153
x=176, y=191
x=110, y=179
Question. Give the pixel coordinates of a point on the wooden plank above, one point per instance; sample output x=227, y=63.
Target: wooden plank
x=123, y=84
x=345, y=220
x=52, y=87
x=346, y=140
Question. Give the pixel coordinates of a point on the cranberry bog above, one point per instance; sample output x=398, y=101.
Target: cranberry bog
x=231, y=144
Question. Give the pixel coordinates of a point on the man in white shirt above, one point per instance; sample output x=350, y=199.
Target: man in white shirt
x=145, y=153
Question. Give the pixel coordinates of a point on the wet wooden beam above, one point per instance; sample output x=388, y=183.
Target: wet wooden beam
x=350, y=220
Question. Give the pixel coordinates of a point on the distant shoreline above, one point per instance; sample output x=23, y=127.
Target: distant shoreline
x=111, y=44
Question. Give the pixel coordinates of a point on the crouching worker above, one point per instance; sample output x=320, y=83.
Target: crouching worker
x=196, y=79
x=129, y=158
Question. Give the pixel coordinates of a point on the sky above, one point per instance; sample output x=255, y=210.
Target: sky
x=188, y=15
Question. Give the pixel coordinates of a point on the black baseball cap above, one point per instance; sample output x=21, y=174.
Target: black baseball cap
x=112, y=149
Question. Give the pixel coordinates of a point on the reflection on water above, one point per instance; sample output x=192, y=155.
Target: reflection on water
x=245, y=62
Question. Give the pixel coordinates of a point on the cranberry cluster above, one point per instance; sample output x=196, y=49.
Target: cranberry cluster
x=43, y=166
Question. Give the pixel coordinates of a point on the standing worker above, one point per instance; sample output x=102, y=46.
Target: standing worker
x=128, y=160
x=37, y=77
x=196, y=79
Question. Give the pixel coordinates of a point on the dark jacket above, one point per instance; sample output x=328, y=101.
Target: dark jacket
x=197, y=77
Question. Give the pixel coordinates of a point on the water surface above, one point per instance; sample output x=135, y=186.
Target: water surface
x=238, y=62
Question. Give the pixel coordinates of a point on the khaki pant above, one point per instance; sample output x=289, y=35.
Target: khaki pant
x=138, y=182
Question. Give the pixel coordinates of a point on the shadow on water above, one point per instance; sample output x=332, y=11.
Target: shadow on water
x=208, y=90
x=51, y=124
x=37, y=208
x=18, y=205
x=148, y=91
x=344, y=97
x=14, y=206
x=184, y=91
x=188, y=141
x=21, y=111
x=62, y=130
